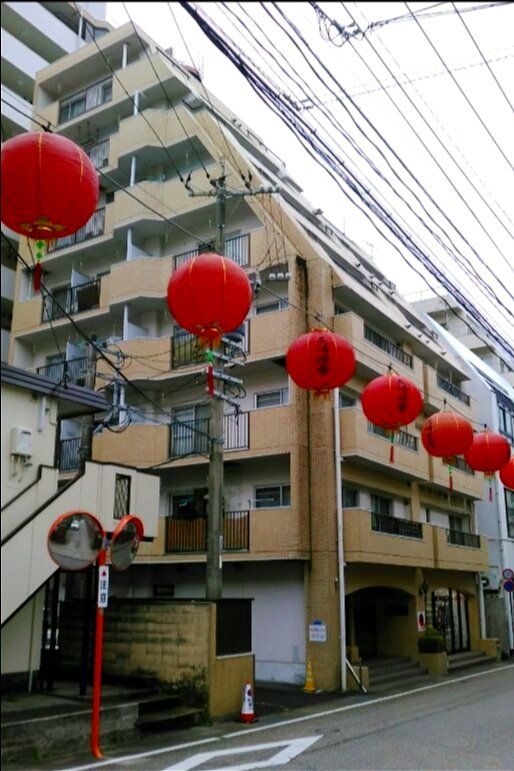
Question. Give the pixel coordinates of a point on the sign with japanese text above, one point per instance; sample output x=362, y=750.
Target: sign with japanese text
x=317, y=631
x=103, y=586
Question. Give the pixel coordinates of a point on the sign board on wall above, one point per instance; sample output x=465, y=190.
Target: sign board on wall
x=422, y=624
x=317, y=631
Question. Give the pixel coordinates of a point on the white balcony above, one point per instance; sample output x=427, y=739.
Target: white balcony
x=20, y=56
x=12, y=114
x=7, y=277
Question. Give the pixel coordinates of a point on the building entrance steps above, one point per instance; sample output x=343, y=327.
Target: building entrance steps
x=388, y=672
x=468, y=659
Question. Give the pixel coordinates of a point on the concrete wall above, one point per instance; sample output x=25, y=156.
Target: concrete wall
x=21, y=644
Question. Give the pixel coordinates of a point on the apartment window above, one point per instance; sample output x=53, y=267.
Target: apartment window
x=277, y=305
x=350, y=498
x=381, y=505
x=345, y=401
x=509, y=506
x=121, y=496
x=272, y=497
x=506, y=421
x=272, y=398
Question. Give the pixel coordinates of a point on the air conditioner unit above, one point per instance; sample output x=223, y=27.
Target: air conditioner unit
x=491, y=579
x=21, y=442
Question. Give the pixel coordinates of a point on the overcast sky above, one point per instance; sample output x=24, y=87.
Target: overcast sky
x=355, y=64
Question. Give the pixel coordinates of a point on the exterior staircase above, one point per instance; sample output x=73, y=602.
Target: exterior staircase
x=165, y=712
x=391, y=672
x=468, y=659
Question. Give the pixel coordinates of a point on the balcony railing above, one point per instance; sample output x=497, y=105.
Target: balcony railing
x=85, y=100
x=76, y=299
x=190, y=535
x=236, y=249
x=99, y=153
x=192, y=437
x=185, y=350
x=382, y=523
x=69, y=371
x=401, y=438
x=452, y=389
x=387, y=346
x=461, y=465
x=458, y=538
x=94, y=227
x=68, y=454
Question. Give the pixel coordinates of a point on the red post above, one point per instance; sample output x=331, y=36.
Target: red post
x=97, y=671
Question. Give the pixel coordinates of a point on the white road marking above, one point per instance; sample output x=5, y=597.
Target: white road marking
x=292, y=748
x=271, y=726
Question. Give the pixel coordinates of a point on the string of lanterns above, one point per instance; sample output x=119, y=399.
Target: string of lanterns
x=50, y=189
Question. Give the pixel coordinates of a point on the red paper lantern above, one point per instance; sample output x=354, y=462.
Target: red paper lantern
x=49, y=186
x=209, y=296
x=507, y=474
x=489, y=451
x=391, y=401
x=445, y=435
x=320, y=360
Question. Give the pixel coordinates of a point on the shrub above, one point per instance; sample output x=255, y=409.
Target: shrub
x=431, y=641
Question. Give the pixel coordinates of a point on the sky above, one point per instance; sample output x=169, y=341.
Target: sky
x=359, y=68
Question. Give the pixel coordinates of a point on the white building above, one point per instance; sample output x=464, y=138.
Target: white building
x=33, y=36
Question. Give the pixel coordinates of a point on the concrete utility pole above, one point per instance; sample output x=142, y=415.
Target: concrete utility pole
x=87, y=421
x=213, y=588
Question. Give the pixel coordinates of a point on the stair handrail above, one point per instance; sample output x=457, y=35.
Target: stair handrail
x=357, y=678
x=27, y=488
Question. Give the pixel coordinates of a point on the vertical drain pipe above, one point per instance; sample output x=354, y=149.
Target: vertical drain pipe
x=340, y=549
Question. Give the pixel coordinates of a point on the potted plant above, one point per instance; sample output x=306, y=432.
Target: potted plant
x=431, y=641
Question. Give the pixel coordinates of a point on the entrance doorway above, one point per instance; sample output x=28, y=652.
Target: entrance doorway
x=447, y=611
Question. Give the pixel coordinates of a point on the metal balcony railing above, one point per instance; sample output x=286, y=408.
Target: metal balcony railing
x=99, y=153
x=69, y=371
x=382, y=523
x=387, y=346
x=185, y=350
x=76, y=299
x=401, y=438
x=85, y=100
x=190, y=535
x=458, y=538
x=68, y=454
x=236, y=249
x=94, y=227
x=461, y=465
x=192, y=437
x=452, y=389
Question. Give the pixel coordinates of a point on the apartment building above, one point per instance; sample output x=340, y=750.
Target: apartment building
x=33, y=36
x=409, y=544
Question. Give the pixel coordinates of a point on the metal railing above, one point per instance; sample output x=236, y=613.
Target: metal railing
x=68, y=371
x=458, y=538
x=190, y=535
x=395, y=526
x=99, y=153
x=94, y=227
x=236, y=249
x=387, y=346
x=83, y=101
x=452, y=389
x=185, y=350
x=461, y=465
x=72, y=300
x=68, y=454
x=191, y=437
x=401, y=438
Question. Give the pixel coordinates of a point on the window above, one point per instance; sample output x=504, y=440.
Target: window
x=272, y=496
x=506, y=422
x=345, y=401
x=277, y=305
x=109, y=197
x=509, y=505
x=121, y=496
x=272, y=398
x=350, y=497
x=380, y=505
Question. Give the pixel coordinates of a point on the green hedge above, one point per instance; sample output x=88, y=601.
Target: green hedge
x=431, y=641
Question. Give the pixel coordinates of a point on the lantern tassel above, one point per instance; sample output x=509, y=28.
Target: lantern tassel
x=391, y=449
x=490, y=489
x=450, y=477
x=38, y=271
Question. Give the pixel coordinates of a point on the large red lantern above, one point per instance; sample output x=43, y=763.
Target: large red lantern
x=489, y=452
x=49, y=186
x=391, y=401
x=445, y=435
x=507, y=474
x=320, y=360
x=209, y=296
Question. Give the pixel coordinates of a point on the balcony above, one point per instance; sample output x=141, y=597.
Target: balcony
x=77, y=299
x=440, y=391
x=190, y=536
x=94, y=227
x=460, y=551
x=452, y=389
x=185, y=351
x=458, y=538
x=386, y=345
x=86, y=100
x=69, y=371
x=146, y=358
x=366, y=442
x=464, y=480
x=68, y=454
x=236, y=249
x=378, y=539
x=192, y=437
x=99, y=153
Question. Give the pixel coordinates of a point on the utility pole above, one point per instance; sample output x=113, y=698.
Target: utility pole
x=213, y=588
x=87, y=421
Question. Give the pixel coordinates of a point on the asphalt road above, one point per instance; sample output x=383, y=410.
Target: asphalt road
x=467, y=723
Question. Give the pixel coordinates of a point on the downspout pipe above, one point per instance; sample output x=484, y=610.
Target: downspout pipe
x=340, y=544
